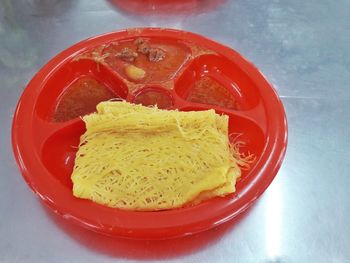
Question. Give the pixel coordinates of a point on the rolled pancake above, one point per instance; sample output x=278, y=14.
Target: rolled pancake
x=140, y=158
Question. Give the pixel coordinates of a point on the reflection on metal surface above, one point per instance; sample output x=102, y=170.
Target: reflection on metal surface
x=273, y=220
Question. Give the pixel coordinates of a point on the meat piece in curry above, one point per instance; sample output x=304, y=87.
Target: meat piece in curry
x=143, y=46
x=127, y=54
x=156, y=54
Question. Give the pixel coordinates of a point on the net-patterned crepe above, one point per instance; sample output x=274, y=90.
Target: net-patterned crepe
x=140, y=158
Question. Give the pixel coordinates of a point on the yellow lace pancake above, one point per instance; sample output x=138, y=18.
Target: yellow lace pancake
x=141, y=158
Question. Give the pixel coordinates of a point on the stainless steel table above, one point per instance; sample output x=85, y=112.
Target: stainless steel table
x=303, y=48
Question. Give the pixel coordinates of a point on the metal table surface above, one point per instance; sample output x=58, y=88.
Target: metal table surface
x=302, y=47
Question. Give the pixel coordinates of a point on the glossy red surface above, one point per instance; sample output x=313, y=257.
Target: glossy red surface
x=46, y=153
x=165, y=7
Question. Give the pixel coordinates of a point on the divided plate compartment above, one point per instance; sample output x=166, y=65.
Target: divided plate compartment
x=46, y=156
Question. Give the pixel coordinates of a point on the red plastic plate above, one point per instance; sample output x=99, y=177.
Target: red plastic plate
x=45, y=149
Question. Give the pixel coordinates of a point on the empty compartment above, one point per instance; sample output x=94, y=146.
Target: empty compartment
x=58, y=152
x=216, y=80
x=75, y=89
